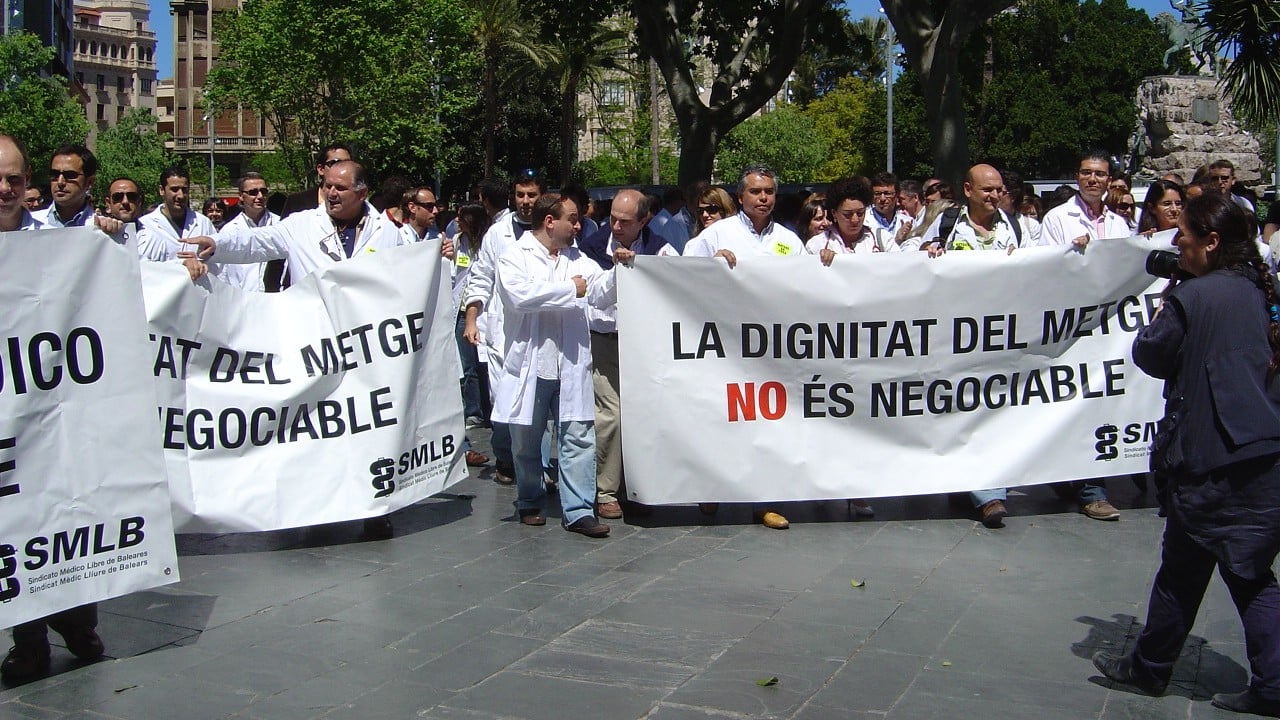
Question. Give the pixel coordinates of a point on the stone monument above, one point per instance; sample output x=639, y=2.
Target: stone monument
x=1185, y=121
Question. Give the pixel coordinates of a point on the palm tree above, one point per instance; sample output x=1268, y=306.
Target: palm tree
x=1248, y=32
x=583, y=61
x=504, y=33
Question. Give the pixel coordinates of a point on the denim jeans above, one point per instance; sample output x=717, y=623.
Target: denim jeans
x=471, y=403
x=982, y=497
x=577, y=447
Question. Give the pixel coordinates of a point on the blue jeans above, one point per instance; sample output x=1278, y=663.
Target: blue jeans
x=577, y=445
x=471, y=405
x=982, y=497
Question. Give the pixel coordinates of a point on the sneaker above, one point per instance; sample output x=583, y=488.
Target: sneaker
x=993, y=514
x=26, y=663
x=609, y=510
x=1100, y=510
x=772, y=520
x=1247, y=702
x=1119, y=669
x=588, y=526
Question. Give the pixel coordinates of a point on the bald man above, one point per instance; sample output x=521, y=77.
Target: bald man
x=628, y=228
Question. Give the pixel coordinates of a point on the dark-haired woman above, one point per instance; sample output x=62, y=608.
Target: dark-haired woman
x=1216, y=344
x=1162, y=208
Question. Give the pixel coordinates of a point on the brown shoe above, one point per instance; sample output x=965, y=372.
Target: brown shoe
x=475, y=459
x=504, y=476
x=1100, y=510
x=609, y=510
x=588, y=526
x=993, y=514
x=771, y=519
x=532, y=517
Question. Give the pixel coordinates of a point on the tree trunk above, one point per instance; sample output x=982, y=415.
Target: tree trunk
x=699, y=141
x=492, y=123
x=568, y=128
x=944, y=109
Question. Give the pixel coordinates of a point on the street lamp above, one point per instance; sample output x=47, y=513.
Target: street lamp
x=890, y=40
x=208, y=121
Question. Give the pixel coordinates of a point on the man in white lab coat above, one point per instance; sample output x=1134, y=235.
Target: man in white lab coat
x=545, y=284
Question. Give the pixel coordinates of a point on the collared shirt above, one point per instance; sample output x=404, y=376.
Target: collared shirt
x=248, y=277
x=605, y=320
x=738, y=235
x=885, y=231
x=29, y=222
x=49, y=217
x=966, y=235
x=831, y=240
x=1070, y=220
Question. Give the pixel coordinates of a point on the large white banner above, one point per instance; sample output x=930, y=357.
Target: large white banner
x=84, y=502
x=883, y=375
x=335, y=400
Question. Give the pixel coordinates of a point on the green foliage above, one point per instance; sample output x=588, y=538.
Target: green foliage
x=36, y=110
x=274, y=168
x=841, y=48
x=200, y=180
x=784, y=139
x=1249, y=33
x=371, y=72
x=132, y=149
x=843, y=119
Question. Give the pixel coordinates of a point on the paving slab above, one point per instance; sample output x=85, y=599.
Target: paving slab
x=466, y=615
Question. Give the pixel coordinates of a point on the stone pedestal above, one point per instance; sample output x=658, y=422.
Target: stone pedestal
x=1186, y=122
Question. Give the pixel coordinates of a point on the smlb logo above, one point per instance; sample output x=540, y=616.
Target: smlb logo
x=1107, y=436
x=383, y=470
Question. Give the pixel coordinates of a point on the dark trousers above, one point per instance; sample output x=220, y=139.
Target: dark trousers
x=1179, y=586
x=36, y=632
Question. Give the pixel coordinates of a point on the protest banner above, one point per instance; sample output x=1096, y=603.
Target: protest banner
x=84, y=502
x=335, y=400
x=883, y=375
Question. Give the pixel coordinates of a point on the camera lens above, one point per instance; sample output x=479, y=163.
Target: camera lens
x=1162, y=263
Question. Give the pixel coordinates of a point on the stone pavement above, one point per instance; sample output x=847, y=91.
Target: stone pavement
x=465, y=614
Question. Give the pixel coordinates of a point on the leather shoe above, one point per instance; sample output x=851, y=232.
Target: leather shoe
x=1247, y=702
x=1100, y=510
x=993, y=514
x=1119, y=669
x=708, y=508
x=532, y=517
x=771, y=519
x=83, y=642
x=25, y=663
x=378, y=528
x=609, y=510
x=504, y=476
x=861, y=508
x=475, y=459
x=588, y=526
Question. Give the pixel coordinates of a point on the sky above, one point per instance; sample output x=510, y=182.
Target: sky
x=162, y=25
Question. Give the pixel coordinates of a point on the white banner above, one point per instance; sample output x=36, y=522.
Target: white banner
x=883, y=375
x=335, y=400
x=84, y=503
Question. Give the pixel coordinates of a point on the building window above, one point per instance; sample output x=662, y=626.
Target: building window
x=615, y=94
x=115, y=51
x=102, y=82
x=146, y=86
x=102, y=112
x=120, y=84
x=80, y=78
x=93, y=48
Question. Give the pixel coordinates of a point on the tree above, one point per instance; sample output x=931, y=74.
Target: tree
x=132, y=149
x=852, y=48
x=784, y=139
x=583, y=62
x=751, y=47
x=274, y=168
x=363, y=71
x=842, y=119
x=509, y=44
x=1249, y=33
x=37, y=110
x=932, y=33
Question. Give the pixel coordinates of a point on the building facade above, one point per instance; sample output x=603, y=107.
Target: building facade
x=49, y=20
x=114, y=59
x=234, y=135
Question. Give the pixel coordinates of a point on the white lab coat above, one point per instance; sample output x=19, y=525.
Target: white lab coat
x=1067, y=222
x=534, y=284
x=251, y=276
x=481, y=288
x=160, y=241
x=298, y=239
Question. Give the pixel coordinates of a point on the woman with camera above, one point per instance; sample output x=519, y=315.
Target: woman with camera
x=1216, y=344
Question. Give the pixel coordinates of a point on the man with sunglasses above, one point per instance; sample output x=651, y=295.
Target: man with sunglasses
x=253, y=214
x=124, y=200
x=345, y=227
x=72, y=172
x=419, y=210
x=276, y=277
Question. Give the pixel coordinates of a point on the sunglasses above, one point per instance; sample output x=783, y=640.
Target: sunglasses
x=118, y=197
x=68, y=175
x=254, y=192
x=708, y=209
x=425, y=205
x=1125, y=206
x=331, y=163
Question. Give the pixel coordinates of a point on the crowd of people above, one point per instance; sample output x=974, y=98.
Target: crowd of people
x=535, y=293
